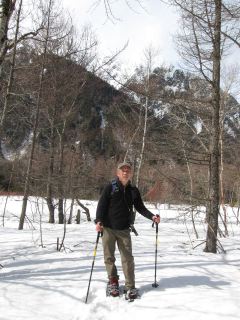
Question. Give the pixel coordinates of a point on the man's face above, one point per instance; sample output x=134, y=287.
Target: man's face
x=124, y=174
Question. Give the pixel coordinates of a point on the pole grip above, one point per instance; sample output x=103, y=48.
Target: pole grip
x=157, y=215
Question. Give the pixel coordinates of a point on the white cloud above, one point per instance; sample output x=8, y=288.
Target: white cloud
x=151, y=26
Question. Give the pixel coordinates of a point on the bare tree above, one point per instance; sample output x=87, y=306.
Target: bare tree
x=9, y=68
x=201, y=44
x=12, y=69
x=108, y=6
x=7, y=8
x=150, y=54
x=46, y=39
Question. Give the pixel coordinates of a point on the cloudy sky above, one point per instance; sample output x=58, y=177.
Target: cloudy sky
x=153, y=24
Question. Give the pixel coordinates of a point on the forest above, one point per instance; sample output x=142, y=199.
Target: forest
x=67, y=117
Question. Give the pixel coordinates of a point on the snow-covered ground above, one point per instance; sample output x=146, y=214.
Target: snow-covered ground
x=40, y=283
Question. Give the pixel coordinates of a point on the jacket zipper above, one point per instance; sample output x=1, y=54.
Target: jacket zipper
x=125, y=200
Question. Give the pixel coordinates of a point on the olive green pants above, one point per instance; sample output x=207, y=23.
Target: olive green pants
x=123, y=240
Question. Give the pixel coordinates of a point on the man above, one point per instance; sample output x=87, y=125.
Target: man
x=114, y=217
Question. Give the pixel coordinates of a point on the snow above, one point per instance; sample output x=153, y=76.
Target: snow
x=198, y=125
x=42, y=283
x=103, y=120
x=10, y=154
x=160, y=109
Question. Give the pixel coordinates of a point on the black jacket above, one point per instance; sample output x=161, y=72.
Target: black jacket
x=115, y=206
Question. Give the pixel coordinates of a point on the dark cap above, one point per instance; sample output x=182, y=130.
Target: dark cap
x=124, y=164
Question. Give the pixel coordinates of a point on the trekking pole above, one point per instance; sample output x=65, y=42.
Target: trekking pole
x=94, y=256
x=155, y=285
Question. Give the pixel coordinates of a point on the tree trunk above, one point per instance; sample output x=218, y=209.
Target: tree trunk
x=11, y=75
x=86, y=210
x=60, y=180
x=211, y=240
x=143, y=142
x=51, y=208
x=78, y=217
x=224, y=220
x=35, y=126
x=71, y=212
x=60, y=211
x=7, y=8
x=191, y=191
x=50, y=171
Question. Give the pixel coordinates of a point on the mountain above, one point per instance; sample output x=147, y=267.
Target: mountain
x=89, y=125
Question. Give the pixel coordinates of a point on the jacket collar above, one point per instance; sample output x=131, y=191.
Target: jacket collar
x=120, y=183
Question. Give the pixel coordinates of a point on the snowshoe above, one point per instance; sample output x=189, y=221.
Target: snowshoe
x=113, y=288
x=132, y=294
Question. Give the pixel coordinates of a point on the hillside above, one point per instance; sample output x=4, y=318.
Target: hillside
x=86, y=126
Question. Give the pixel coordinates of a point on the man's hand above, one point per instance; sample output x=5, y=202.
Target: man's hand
x=99, y=227
x=156, y=219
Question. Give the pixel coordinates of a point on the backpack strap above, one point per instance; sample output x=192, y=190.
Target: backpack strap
x=115, y=187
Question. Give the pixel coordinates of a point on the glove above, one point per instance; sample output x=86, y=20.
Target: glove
x=156, y=219
x=99, y=227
